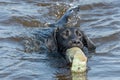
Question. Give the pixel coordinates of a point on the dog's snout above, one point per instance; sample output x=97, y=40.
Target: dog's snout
x=74, y=41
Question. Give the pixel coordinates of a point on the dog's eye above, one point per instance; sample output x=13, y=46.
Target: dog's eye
x=78, y=33
x=66, y=33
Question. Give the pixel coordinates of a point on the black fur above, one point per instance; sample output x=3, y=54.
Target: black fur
x=66, y=37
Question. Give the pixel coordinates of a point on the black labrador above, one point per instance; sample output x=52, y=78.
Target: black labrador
x=64, y=38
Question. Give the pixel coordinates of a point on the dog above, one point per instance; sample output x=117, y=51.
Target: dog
x=64, y=38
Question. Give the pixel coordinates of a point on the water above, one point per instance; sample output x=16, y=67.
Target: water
x=24, y=56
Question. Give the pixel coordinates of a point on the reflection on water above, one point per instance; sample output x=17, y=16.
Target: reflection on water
x=79, y=76
x=23, y=30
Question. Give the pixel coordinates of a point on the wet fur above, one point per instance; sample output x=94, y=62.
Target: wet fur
x=66, y=37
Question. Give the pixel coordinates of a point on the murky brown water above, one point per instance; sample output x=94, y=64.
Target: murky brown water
x=22, y=25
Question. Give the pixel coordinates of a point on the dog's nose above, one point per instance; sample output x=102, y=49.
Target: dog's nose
x=76, y=41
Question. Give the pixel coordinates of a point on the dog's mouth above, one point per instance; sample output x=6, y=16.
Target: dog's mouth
x=63, y=50
x=79, y=45
x=70, y=55
x=76, y=57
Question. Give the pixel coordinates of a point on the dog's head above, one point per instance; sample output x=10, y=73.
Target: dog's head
x=69, y=37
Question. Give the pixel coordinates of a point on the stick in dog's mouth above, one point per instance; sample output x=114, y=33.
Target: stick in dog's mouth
x=78, y=59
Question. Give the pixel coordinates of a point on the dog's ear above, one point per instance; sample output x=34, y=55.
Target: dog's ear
x=88, y=43
x=51, y=42
x=54, y=36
